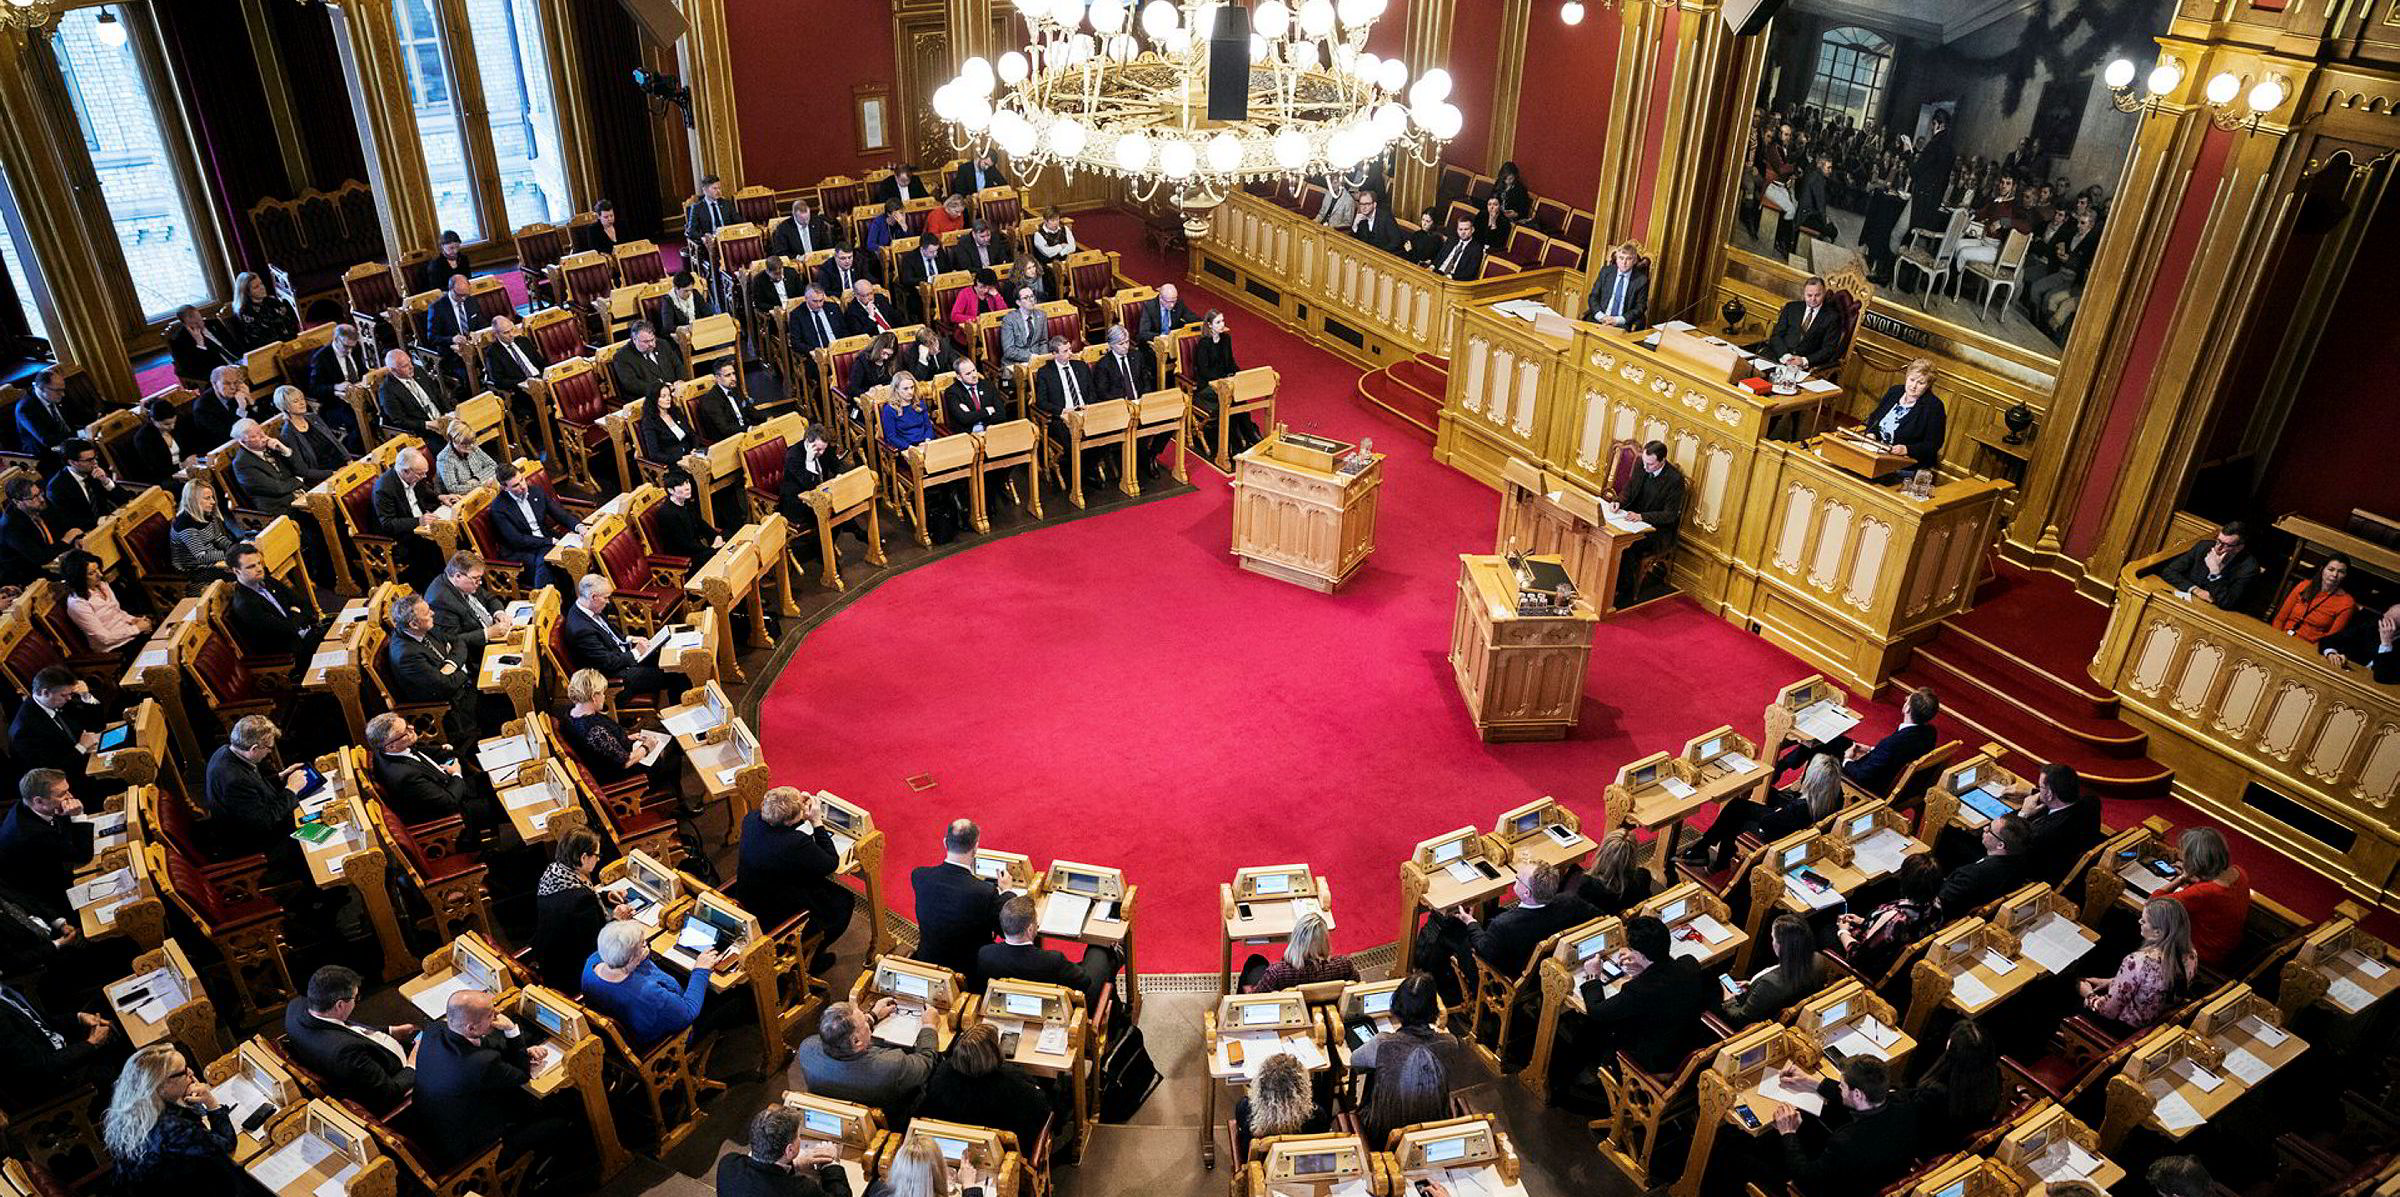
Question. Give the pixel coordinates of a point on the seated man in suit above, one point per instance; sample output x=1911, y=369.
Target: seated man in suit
x=42, y=1055
x=423, y=783
x=844, y=1062
x=340, y=365
x=777, y=1161
x=1655, y=1017
x=925, y=357
x=595, y=643
x=2062, y=822
x=684, y=305
x=359, y=1063
x=472, y=1069
x=816, y=324
x=970, y=404
x=800, y=234
x=511, y=361
x=82, y=490
x=957, y=910
x=902, y=185
x=264, y=469
x=1460, y=258
x=918, y=268
x=868, y=313
x=1370, y=223
x=454, y=315
x=249, y=810
x=1621, y=295
x=810, y=463
x=28, y=544
x=1807, y=332
x=411, y=400
x=463, y=616
x=2371, y=640
x=405, y=503
x=2218, y=571
x=720, y=412
x=424, y=668
x=1162, y=315
x=1872, y=1132
x=777, y=282
x=1656, y=496
x=1877, y=769
x=1020, y=957
x=228, y=398
x=268, y=618
x=977, y=174
x=786, y=867
x=528, y=521
x=1025, y=330
x=709, y=211
x=1064, y=384
x=645, y=364
x=2004, y=867
x=842, y=271
x=1127, y=370
x=57, y=725
x=41, y=843
x=1507, y=942
x=981, y=249
x=47, y=417
x=197, y=345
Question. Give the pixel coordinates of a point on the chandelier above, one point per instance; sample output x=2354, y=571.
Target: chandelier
x=1090, y=93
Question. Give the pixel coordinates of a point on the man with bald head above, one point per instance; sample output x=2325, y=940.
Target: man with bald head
x=405, y=503
x=957, y=911
x=409, y=399
x=471, y=1072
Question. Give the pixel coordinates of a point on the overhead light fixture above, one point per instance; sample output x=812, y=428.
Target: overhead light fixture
x=109, y=29
x=1571, y=12
x=2162, y=81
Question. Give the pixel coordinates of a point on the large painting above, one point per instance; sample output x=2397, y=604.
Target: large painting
x=1963, y=153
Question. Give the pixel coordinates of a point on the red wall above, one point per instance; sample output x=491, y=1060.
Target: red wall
x=793, y=68
x=1474, y=71
x=1563, y=106
x=2336, y=449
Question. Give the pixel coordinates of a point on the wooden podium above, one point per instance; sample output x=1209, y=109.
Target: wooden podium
x=1522, y=675
x=1296, y=517
x=1543, y=513
x=1859, y=454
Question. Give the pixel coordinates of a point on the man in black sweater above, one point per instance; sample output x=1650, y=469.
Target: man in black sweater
x=359, y=1063
x=779, y=1163
x=2062, y=821
x=1871, y=1132
x=2004, y=867
x=786, y=867
x=249, y=813
x=1018, y=957
x=957, y=911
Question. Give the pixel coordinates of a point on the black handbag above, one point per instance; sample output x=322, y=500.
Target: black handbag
x=1127, y=1076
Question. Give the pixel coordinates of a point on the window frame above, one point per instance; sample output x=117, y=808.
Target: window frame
x=454, y=27
x=1841, y=51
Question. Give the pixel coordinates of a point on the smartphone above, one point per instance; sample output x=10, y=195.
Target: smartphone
x=258, y=1118
x=1749, y=1120
x=1243, y=909
x=2164, y=869
x=1732, y=987
x=1008, y=1043
x=1115, y=913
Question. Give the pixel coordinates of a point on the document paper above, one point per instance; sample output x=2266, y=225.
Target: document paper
x=1063, y=915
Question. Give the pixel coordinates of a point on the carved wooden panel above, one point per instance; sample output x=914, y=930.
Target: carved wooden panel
x=2340, y=733
x=1866, y=568
x=2244, y=690
x=1833, y=541
x=2159, y=644
x=2379, y=773
x=2287, y=717
x=2199, y=677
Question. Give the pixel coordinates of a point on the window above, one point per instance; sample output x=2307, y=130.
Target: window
x=438, y=128
x=1851, y=67
x=515, y=73
x=116, y=105
x=20, y=281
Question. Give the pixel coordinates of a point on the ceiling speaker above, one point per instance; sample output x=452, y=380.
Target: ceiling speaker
x=1229, y=65
x=661, y=19
x=1746, y=17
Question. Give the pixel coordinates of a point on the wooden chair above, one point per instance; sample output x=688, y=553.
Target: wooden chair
x=450, y=881
x=248, y=935
x=2003, y=272
x=664, y=1081
x=353, y=491
x=540, y=246
x=938, y=462
x=582, y=281
x=848, y=497
x=1002, y=448
x=638, y=262
x=755, y=204
x=651, y=594
x=1640, y=1106
x=1939, y=260
x=1911, y=782
x=1095, y=426
x=1496, y=997
x=573, y=398
x=839, y=193
x=375, y=295
x=483, y=1174
x=763, y=450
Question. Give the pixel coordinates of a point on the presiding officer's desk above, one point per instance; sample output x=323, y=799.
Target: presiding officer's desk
x=1845, y=573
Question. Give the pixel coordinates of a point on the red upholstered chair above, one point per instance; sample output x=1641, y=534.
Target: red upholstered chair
x=1458, y=210
x=231, y=687
x=1579, y=227
x=374, y=292
x=247, y=933
x=583, y=283
x=1559, y=253
x=1623, y=457
x=755, y=204
x=636, y=811
x=1091, y=279
x=378, y=555
x=1494, y=265
x=1524, y=246
x=576, y=399
x=840, y=193
x=1001, y=207
x=1550, y=215
x=1069, y=326
x=29, y=655
x=1455, y=180
x=185, y=829
x=555, y=335
x=651, y=596
x=762, y=470
x=449, y=880
x=145, y=540
x=646, y=522
x=539, y=247
x=1311, y=201
x=1479, y=189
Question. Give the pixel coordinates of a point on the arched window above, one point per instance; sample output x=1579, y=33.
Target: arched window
x=1852, y=66
x=107, y=57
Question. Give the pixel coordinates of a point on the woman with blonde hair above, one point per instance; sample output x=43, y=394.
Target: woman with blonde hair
x=462, y=465
x=167, y=1131
x=1279, y=1102
x=604, y=745
x=1911, y=417
x=1786, y=811
x=2153, y=976
x=202, y=538
x=1616, y=882
x=918, y=1170
x=1308, y=958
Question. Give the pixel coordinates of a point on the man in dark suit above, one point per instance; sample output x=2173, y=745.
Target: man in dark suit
x=28, y=544
x=528, y=521
x=227, y=399
x=510, y=361
x=268, y=618
x=2372, y=640
x=902, y=185
x=720, y=411
x=683, y=305
x=786, y=866
x=800, y=234
x=249, y=810
x=263, y=468
x=2219, y=571
x=970, y=403
x=472, y=1069
x=816, y=324
x=1813, y=200
x=405, y=503
x=920, y=267
x=1871, y=1136
x=1127, y=371
x=868, y=313
x=645, y=364
x=411, y=400
x=359, y=1063
x=1929, y=173
x=47, y=418
x=709, y=211
x=841, y=272
x=426, y=668
x=1621, y=294
x=776, y=283
x=2003, y=868
x=41, y=844
x=1655, y=496
x=977, y=174
x=2061, y=821
x=197, y=345
x=957, y=910
x=1655, y=1016
x=56, y=727
x=1162, y=315
x=82, y=491
x=1019, y=957
x=1461, y=258
x=1877, y=769
x=423, y=783
x=1374, y=225
x=463, y=616
x=1064, y=384
x=452, y=316
x=1807, y=332
x=42, y=1056
x=1508, y=940
x=595, y=643
x=334, y=369
x=981, y=249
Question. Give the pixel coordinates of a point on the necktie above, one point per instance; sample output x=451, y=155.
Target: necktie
x=483, y=614
x=458, y=312
x=523, y=363
x=845, y=277
x=17, y=1000
x=1616, y=298
x=715, y=218
x=1808, y=316
x=876, y=313
x=1125, y=363
x=824, y=330
x=613, y=638
x=1066, y=373
x=1450, y=264
x=422, y=400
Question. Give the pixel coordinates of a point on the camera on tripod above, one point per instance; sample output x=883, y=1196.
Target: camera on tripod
x=665, y=87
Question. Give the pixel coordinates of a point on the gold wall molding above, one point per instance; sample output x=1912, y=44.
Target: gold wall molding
x=705, y=61
x=52, y=193
x=1639, y=31
x=387, y=122
x=276, y=83
x=1508, y=84
x=1425, y=38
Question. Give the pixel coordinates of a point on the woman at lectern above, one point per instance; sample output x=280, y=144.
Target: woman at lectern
x=1911, y=417
x=1212, y=359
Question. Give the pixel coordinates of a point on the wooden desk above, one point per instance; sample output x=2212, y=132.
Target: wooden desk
x=353, y=856
x=1297, y=517
x=1971, y=967
x=135, y=762
x=2248, y=1033
x=1742, y=1091
x=1107, y=922
x=1700, y=926
x=2173, y=1084
x=1253, y=1027
x=1258, y=919
x=1846, y=1018
x=1457, y=868
x=1562, y=984
x=2047, y=1144
x=2340, y=967
x=555, y=1021
x=163, y=1001
x=1521, y=675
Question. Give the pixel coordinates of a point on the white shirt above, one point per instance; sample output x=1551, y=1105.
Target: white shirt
x=377, y=1037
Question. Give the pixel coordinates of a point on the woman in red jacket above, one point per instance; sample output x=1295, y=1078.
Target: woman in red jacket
x=2213, y=891
x=2318, y=607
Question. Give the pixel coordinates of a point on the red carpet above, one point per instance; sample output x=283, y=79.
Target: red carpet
x=1116, y=691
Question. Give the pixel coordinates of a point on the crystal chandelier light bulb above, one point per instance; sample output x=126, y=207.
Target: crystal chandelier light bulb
x=1224, y=153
